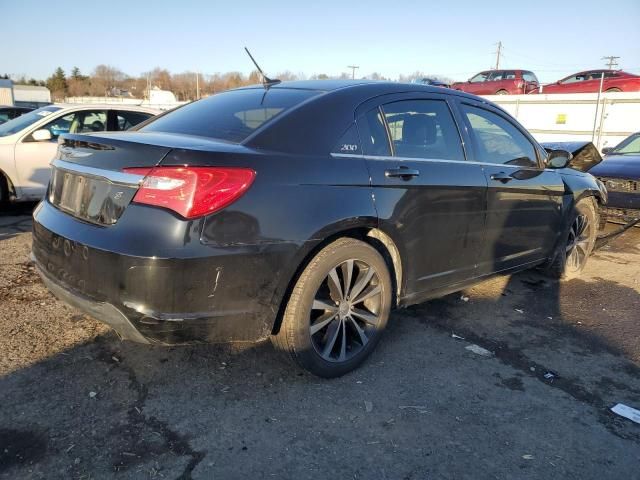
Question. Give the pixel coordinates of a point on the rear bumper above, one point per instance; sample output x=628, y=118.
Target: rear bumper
x=216, y=294
x=105, y=312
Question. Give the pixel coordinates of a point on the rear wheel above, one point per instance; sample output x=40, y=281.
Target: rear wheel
x=337, y=310
x=614, y=89
x=573, y=253
x=4, y=191
x=502, y=92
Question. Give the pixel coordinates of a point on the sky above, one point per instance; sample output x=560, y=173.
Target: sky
x=455, y=39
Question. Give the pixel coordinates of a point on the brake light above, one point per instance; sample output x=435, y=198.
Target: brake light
x=192, y=191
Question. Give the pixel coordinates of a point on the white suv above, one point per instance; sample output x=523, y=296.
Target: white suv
x=29, y=142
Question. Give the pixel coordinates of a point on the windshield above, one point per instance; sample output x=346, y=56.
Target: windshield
x=230, y=116
x=630, y=145
x=18, y=124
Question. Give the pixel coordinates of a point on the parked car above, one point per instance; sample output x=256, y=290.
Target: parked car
x=28, y=143
x=303, y=212
x=589, y=82
x=620, y=172
x=431, y=81
x=499, y=82
x=11, y=112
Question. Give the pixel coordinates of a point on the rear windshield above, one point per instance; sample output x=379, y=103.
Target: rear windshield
x=231, y=116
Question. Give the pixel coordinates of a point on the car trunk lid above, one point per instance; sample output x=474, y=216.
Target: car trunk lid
x=95, y=177
x=87, y=181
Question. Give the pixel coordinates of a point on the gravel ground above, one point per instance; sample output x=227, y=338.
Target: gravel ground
x=75, y=402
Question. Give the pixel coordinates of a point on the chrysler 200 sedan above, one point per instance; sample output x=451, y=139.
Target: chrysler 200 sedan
x=303, y=212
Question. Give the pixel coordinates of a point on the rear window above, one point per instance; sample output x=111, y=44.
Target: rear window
x=230, y=116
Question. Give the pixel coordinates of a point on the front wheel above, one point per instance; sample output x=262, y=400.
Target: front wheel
x=502, y=92
x=573, y=252
x=614, y=89
x=337, y=310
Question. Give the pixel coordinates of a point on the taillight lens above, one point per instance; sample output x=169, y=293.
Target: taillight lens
x=192, y=191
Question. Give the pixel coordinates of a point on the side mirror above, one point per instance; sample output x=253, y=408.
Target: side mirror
x=41, y=135
x=607, y=150
x=559, y=159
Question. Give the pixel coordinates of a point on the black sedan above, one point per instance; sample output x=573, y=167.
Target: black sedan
x=303, y=212
x=620, y=172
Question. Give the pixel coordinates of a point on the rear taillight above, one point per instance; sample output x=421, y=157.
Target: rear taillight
x=192, y=191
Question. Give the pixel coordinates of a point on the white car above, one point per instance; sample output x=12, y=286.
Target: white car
x=29, y=142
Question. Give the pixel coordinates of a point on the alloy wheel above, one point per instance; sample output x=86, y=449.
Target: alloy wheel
x=345, y=314
x=578, y=243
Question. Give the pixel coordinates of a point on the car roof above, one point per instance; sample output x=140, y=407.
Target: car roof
x=372, y=87
x=109, y=106
x=334, y=107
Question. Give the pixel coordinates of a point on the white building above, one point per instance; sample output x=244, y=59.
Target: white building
x=23, y=95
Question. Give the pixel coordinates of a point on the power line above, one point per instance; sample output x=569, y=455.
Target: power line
x=612, y=61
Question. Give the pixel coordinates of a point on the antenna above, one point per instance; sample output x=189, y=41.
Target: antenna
x=266, y=81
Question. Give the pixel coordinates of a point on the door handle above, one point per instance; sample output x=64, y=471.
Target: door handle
x=404, y=173
x=501, y=177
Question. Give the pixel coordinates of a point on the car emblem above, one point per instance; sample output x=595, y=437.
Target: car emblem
x=118, y=196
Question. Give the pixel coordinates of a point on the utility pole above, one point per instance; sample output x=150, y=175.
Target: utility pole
x=498, y=53
x=197, y=86
x=612, y=61
x=353, y=70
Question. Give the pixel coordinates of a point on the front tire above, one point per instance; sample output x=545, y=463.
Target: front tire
x=337, y=310
x=573, y=251
x=502, y=92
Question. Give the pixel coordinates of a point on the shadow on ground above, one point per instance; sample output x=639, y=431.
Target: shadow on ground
x=422, y=407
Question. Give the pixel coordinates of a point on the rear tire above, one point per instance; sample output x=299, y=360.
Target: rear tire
x=4, y=191
x=577, y=244
x=337, y=310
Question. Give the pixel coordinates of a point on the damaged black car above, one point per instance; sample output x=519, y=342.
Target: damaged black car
x=304, y=212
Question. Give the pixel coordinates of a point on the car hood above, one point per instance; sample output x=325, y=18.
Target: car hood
x=619, y=166
x=585, y=154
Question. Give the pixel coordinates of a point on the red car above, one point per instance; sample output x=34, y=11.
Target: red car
x=499, y=82
x=589, y=82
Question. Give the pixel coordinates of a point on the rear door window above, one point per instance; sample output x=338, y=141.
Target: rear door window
x=374, y=134
x=230, y=116
x=423, y=129
x=126, y=120
x=497, y=140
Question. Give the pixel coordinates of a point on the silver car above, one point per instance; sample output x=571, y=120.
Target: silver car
x=29, y=142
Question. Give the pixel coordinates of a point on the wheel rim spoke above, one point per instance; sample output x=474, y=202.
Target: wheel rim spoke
x=334, y=284
x=343, y=343
x=363, y=336
x=366, y=316
x=361, y=283
x=332, y=334
x=322, y=322
x=323, y=305
x=347, y=276
x=368, y=294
